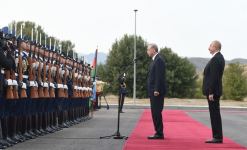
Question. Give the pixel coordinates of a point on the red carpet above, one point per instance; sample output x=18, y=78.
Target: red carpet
x=181, y=133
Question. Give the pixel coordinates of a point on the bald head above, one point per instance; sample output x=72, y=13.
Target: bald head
x=152, y=49
x=214, y=47
x=217, y=44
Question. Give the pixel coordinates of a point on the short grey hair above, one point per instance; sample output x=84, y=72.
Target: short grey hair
x=218, y=44
x=154, y=46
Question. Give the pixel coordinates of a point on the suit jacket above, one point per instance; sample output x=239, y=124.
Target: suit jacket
x=156, y=76
x=212, y=76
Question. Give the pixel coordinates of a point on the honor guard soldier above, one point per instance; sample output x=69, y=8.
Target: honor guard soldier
x=7, y=63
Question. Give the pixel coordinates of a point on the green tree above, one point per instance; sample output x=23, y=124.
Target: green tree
x=181, y=75
x=235, y=82
x=117, y=63
x=198, y=91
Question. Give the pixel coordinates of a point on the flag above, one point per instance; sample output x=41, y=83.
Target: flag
x=94, y=66
x=93, y=74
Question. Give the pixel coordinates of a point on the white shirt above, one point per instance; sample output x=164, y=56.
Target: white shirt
x=215, y=53
x=155, y=56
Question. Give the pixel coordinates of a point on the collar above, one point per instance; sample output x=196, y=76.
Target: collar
x=215, y=53
x=154, y=56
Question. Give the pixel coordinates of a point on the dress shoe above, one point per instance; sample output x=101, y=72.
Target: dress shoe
x=64, y=125
x=3, y=142
x=15, y=138
x=214, y=141
x=50, y=130
x=9, y=140
x=32, y=134
x=2, y=146
x=27, y=136
x=21, y=137
x=156, y=137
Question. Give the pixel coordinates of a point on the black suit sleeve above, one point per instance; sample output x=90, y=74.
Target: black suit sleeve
x=159, y=69
x=214, y=75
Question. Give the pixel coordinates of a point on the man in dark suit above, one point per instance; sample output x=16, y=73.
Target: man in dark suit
x=212, y=89
x=156, y=89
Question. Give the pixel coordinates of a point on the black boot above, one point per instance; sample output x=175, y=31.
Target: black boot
x=13, y=123
x=6, y=132
x=3, y=143
x=48, y=126
x=39, y=124
x=19, y=129
x=25, y=127
x=32, y=127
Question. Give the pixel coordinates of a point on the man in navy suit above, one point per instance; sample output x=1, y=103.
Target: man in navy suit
x=212, y=89
x=156, y=89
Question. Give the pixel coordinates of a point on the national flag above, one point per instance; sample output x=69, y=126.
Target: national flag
x=93, y=74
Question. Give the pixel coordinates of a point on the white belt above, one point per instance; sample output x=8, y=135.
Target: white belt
x=65, y=86
x=24, y=86
x=36, y=84
x=84, y=88
x=32, y=83
x=60, y=86
x=45, y=84
x=15, y=83
x=9, y=82
x=52, y=85
x=25, y=76
x=80, y=88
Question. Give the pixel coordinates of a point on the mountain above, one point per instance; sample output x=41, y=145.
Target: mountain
x=200, y=63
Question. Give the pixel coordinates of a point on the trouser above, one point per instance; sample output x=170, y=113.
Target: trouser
x=157, y=103
x=215, y=117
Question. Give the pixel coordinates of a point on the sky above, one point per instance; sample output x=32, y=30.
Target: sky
x=186, y=26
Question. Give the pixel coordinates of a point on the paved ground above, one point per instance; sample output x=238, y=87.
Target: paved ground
x=85, y=136
x=234, y=123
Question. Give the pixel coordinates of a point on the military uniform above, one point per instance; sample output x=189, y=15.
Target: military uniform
x=29, y=76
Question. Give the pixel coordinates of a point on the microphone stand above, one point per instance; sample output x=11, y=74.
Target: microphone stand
x=117, y=134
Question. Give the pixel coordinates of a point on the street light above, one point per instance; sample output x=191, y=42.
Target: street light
x=134, y=84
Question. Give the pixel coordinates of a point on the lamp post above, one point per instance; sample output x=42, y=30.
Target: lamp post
x=134, y=84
